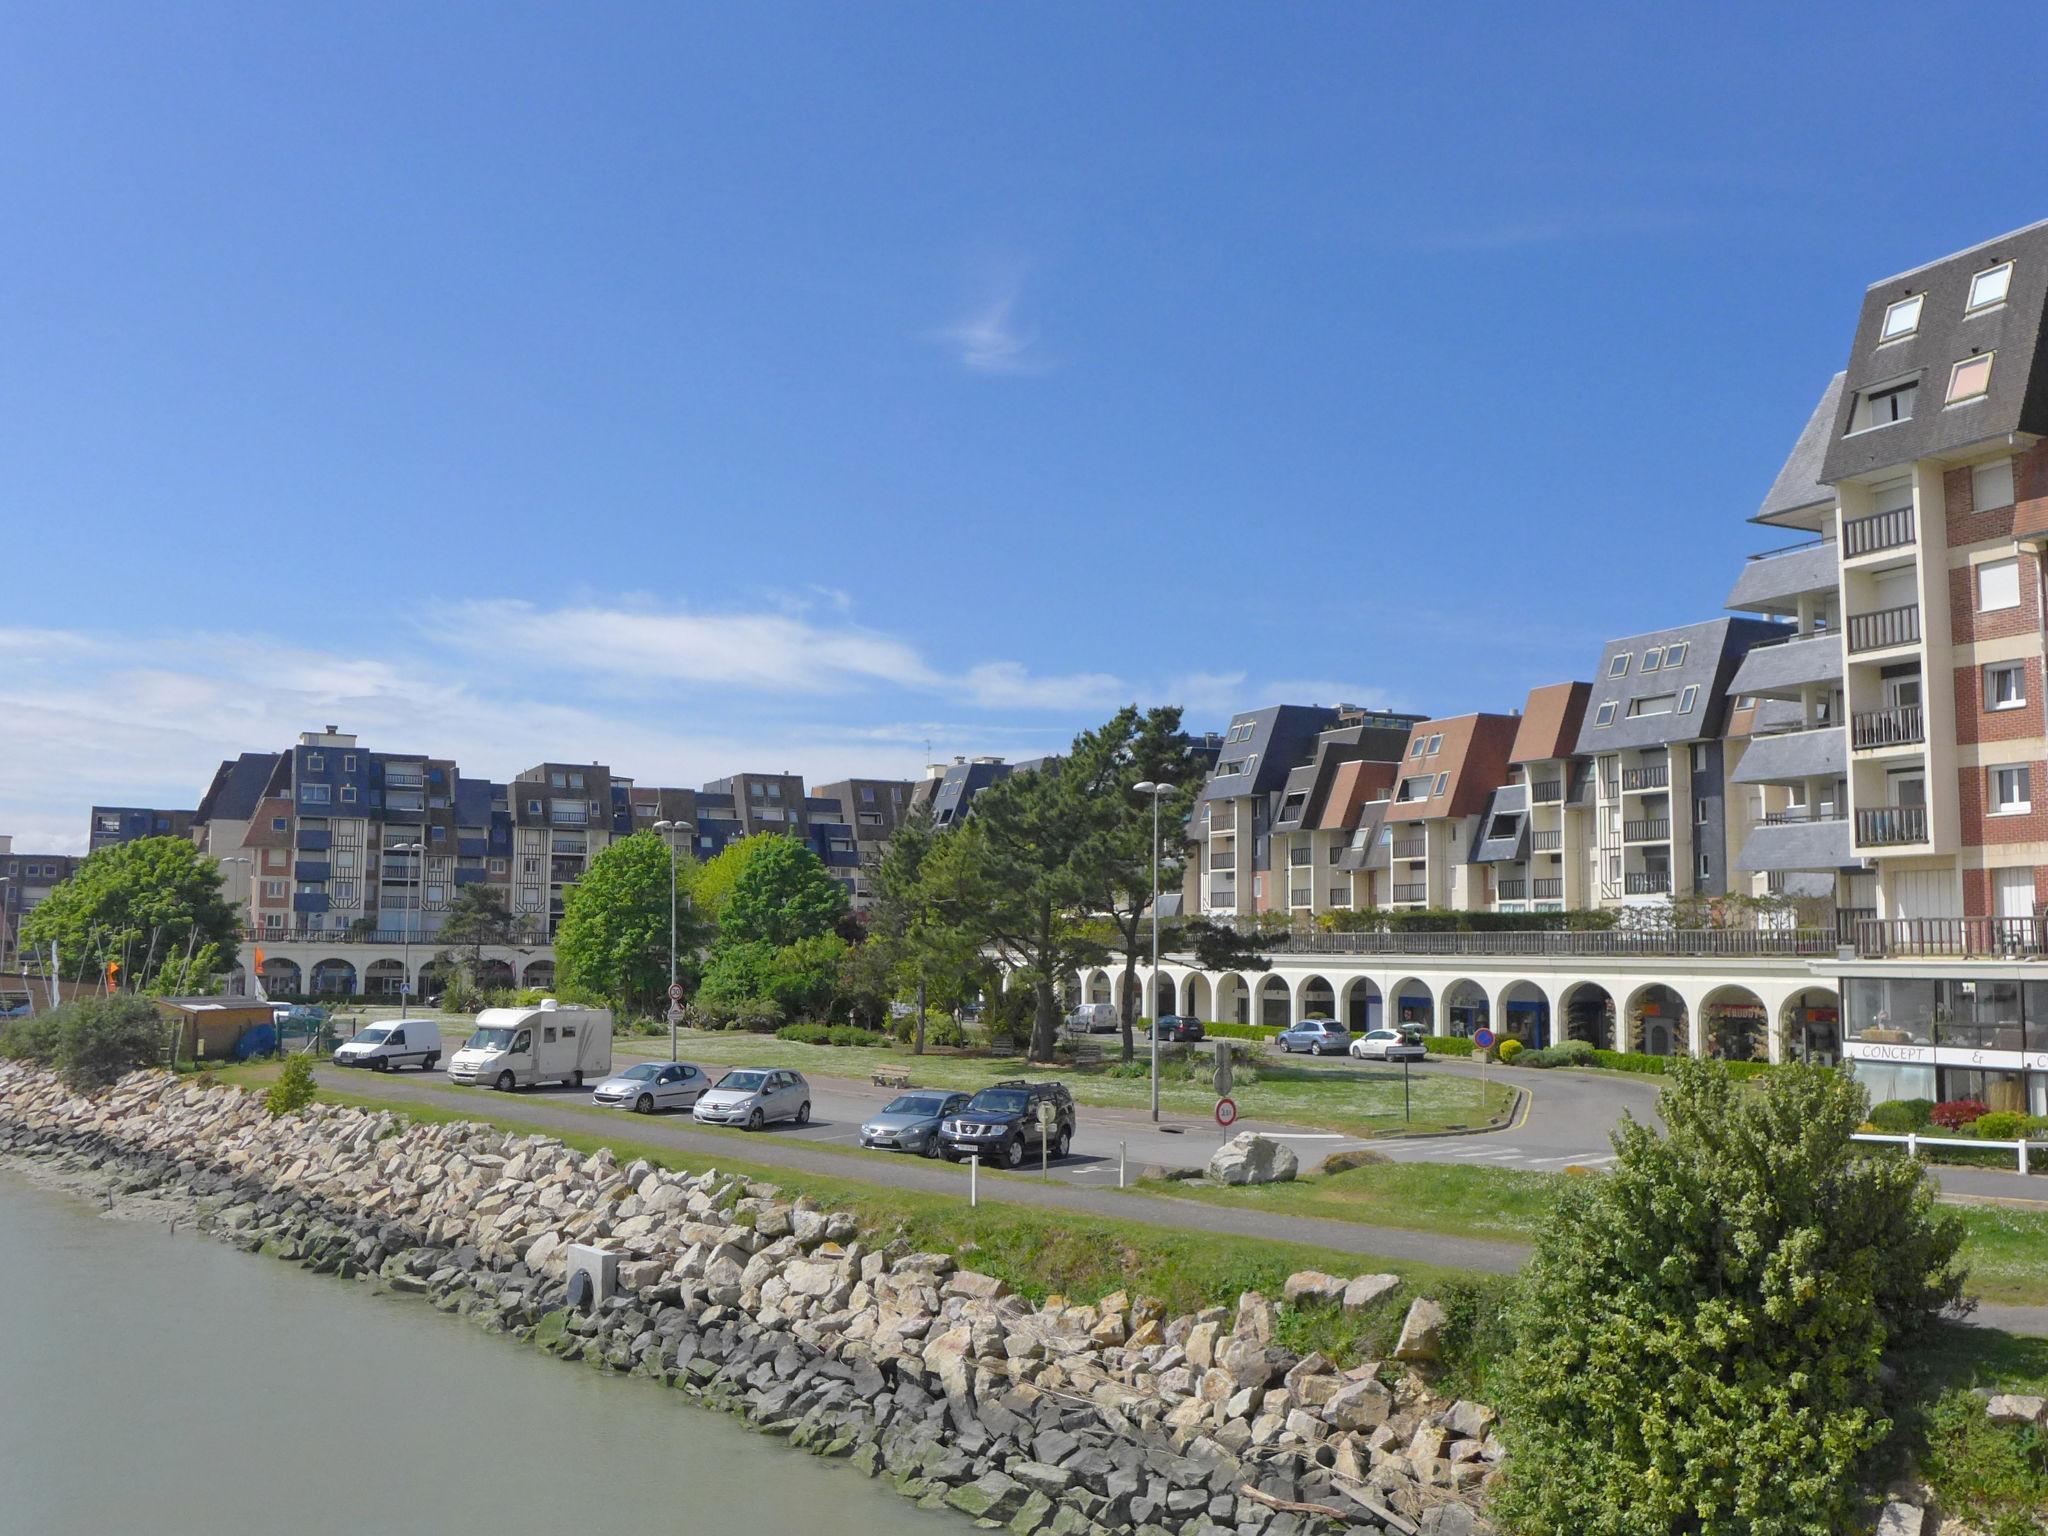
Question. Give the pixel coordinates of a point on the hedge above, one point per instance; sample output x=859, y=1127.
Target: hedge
x=1242, y=1031
x=1447, y=1045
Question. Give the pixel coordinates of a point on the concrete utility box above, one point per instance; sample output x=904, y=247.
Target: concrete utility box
x=593, y=1275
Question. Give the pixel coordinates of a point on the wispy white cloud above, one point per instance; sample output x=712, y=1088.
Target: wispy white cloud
x=990, y=339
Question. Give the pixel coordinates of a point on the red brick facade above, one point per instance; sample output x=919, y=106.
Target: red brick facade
x=1973, y=789
x=1978, y=897
x=1975, y=723
x=1966, y=624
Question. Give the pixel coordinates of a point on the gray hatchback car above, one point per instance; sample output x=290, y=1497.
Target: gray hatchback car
x=1319, y=1037
x=910, y=1121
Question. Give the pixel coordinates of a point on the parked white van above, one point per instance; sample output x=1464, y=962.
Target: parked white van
x=1094, y=1019
x=519, y=1047
x=399, y=1043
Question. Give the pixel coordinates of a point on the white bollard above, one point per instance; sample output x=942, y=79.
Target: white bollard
x=1120, y=1164
x=2023, y=1151
x=1912, y=1144
x=973, y=1179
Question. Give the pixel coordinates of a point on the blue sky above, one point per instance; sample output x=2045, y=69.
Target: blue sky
x=706, y=388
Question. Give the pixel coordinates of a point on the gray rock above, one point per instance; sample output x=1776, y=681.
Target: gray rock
x=1422, y=1331
x=1363, y=1291
x=2010, y=1408
x=1901, y=1519
x=1309, y=1286
x=1250, y=1158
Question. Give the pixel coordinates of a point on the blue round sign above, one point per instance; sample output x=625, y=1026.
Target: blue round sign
x=1483, y=1038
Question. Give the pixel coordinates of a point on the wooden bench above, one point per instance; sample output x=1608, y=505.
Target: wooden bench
x=892, y=1077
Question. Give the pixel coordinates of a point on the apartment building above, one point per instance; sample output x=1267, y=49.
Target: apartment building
x=1654, y=730
x=26, y=880
x=1536, y=835
x=1449, y=771
x=872, y=810
x=112, y=825
x=947, y=790
x=1276, y=770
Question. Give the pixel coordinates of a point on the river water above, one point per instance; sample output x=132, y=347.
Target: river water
x=163, y=1382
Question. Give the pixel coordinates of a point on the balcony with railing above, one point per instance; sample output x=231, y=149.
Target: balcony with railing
x=1884, y=627
x=1546, y=791
x=1514, y=890
x=1550, y=889
x=1297, y=857
x=1885, y=826
x=1647, y=882
x=1411, y=847
x=1899, y=726
x=1704, y=943
x=1880, y=530
x=1222, y=817
x=398, y=780
x=1415, y=891
x=1225, y=859
x=1550, y=841
x=1637, y=780
x=2000, y=938
x=1651, y=829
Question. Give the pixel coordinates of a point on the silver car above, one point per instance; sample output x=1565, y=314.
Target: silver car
x=652, y=1085
x=910, y=1121
x=753, y=1096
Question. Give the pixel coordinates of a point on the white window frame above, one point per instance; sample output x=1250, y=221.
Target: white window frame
x=1972, y=304
x=2018, y=672
x=1443, y=781
x=1421, y=743
x=1949, y=396
x=2023, y=784
x=2008, y=492
x=1688, y=697
x=1674, y=655
x=1886, y=389
x=1887, y=332
x=1604, y=715
x=1435, y=744
x=2010, y=563
x=1653, y=658
x=1618, y=667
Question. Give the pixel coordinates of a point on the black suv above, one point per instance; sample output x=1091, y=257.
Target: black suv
x=1002, y=1120
x=1179, y=1027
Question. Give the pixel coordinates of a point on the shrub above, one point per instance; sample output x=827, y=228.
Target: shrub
x=853, y=1035
x=1957, y=1114
x=1566, y=1053
x=804, y=1034
x=294, y=1087
x=944, y=1031
x=1446, y=1045
x=1901, y=1117
x=91, y=1042
x=1508, y=1050
x=1632, y=1061
x=2000, y=1125
x=1240, y=1031
x=1699, y=1339
x=1357, y=1157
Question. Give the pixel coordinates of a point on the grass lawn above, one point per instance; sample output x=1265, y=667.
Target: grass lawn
x=1359, y=1099
x=2006, y=1250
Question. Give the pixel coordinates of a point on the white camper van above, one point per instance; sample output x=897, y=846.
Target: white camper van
x=519, y=1047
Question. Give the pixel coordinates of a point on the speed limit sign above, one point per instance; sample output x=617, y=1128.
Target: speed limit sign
x=675, y=991
x=1226, y=1111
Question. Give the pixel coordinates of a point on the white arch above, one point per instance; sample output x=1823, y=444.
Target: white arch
x=1361, y=1012
x=1516, y=1023
x=1678, y=1034
x=1729, y=992
x=1196, y=994
x=1412, y=994
x=1269, y=986
x=1319, y=1007
x=1561, y=1014
x=1462, y=993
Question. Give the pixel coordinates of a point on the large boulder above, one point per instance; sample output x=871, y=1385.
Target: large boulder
x=1250, y=1158
x=1364, y=1290
x=1422, y=1331
x=2011, y=1408
x=1311, y=1285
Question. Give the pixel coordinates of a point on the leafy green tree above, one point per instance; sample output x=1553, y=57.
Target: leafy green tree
x=195, y=975
x=294, y=1088
x=911, y=950
x=479, y=918
x=137, y=905
x=1217, y=946
x=613, y=938
x=794, y=979
x=1700, y=1337
x=718, y=874
x=782, y=894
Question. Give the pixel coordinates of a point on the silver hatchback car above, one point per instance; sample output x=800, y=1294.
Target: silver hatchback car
x=650, y=1085
x=754, y=1096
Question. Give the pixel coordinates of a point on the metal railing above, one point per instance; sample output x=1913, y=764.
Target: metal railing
x=1551, y=889
x=1801, y=815
x=1791, y=549
x=1415, y=892
x=424, y=936
x=1958, y=937
x=1656, y=776
x=1700, y=943
x=1224, y=861
x=1546, y=842
x=1514, y=890
x=1913, y=1141
x=1880, y=530
x=1222, y=819
x=1884, y=826
x=1897, y=726
x=1546, y=791
x=1410, y=847
x=1297, y=857
x=1883, y=627
x=1654, y=829
x=1649, y=882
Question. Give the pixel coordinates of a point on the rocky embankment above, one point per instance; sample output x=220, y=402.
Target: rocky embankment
x=1053, y=1418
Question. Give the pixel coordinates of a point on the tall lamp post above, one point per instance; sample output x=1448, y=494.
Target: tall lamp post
x=1155, y=791
x=419, y=853
x=675, y=1009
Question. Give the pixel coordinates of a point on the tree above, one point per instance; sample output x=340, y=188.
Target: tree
x=137, y=905
x=782, y=894
x=294, y=1088
x=1216, y=947
x=1699, y=1339
x=717, y=876
x=479, y=918
x=1114, y=858
x=796, y=979
x=613, y=940
x=910, y=947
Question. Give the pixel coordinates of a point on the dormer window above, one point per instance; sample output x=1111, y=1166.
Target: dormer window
x=1674, y=655
x=1604, y=715
x=1421, y=744
x=1619, y=666
x=1902, y=318
x=1653, y=658
x=1970, y=379
x=1989, y=287
x=1434, y=743
x=1689, y=697
x=1885, y=404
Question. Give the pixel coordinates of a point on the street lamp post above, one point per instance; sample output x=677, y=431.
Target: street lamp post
x=1155, y=791
x=419, y=853
x=667, y=831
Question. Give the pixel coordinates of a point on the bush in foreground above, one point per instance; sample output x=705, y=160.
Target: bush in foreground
x=294, y=1087
x=1699, y=1340
x=92, y=1042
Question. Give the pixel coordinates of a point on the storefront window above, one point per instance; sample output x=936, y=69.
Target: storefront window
x=1979, y=1015
x=2037, y=1021
x=1893, y=1011
x=1885, y=1082
x=1994, y=1090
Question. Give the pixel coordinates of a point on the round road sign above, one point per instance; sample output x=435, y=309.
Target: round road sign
x=675, y=991
x=1483, y=1039
x=1226, y=1111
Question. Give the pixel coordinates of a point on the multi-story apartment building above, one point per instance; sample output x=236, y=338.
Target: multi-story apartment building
x=1449, y=771
x=115, y=824
x=26, y=880
x=1537, y=833
x=947, y=790
x=1654, y=730
x=1276, y=771
x=872, y=809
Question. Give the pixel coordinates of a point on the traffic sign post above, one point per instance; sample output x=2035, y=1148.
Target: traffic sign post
x=1224, y=1056
x=675, y=991
x=675, y=1015
x=1226, y=1111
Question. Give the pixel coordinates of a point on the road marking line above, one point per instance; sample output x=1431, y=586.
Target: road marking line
x=1302, y=1135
